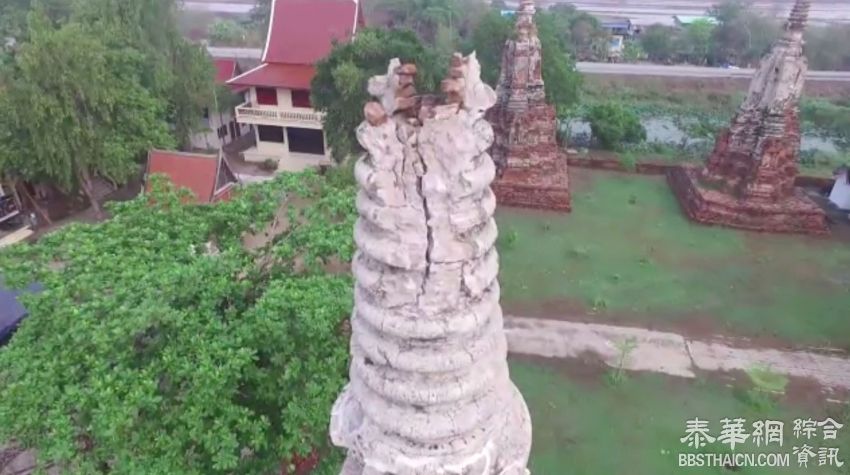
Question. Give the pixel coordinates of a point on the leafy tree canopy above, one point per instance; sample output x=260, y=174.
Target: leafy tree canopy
x=614, y=126
x=164, y=345
x=339, y=87
x=90, y=85
x=74, y=109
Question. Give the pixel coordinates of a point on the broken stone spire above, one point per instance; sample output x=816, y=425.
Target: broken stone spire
x=757, y=157
x=532, y=168
x=748, y=180
x=429, y=389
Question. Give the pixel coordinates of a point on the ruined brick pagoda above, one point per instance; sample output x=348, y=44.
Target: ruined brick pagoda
x=748, y=181
x=532, y=169
x=430, y=391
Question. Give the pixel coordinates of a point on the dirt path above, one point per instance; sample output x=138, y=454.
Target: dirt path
x=668, y=353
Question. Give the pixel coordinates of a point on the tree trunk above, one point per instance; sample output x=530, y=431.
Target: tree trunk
x=22, y=189
x=88, y=189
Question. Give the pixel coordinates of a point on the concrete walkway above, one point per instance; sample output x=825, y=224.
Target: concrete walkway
x=664, y=352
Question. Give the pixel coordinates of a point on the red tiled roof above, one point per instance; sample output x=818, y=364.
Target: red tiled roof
x=303, y=31
x=225, y=69
x=195, y=171
x=289, y=76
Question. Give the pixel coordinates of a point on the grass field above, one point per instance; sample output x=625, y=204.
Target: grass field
x=584, y=426
x=627, y=254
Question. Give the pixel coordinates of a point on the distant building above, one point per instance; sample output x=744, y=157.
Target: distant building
x=14, y=225
x=220, y=125
x=684, y=20
x=301, y=32
x=618, y=26
x=209, y=177
x=840, y=195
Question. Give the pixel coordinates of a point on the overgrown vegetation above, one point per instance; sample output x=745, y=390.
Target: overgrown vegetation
x=126, y=81
x=614, y=126
x=164, y=344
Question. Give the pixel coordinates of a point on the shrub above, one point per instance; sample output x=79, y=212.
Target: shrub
x=161, y=345
x=269, y=165
x=227, y=33
x=614, y=126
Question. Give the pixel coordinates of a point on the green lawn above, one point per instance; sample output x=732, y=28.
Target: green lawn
x=627, y=254
x=587, y=427
x=583, y=425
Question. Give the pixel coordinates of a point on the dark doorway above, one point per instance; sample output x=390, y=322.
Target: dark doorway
x=306, y=140
x=270, y=133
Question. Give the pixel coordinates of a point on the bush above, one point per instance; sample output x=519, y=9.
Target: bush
x=614, y=126
x=160, y=345
x=269, y=165
x=227, y=33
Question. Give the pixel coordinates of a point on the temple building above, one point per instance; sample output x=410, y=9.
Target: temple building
x=532, y=169
x=219, y=124
x=14, y=226
x=748, y=181
x=301, y=32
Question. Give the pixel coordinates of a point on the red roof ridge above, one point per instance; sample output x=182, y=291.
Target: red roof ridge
x=185, y=154
x=199, y=172
x=303, y=31
x=257, y=68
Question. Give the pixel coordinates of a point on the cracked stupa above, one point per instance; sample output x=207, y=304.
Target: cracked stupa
x=429, y=389
x=748, y=181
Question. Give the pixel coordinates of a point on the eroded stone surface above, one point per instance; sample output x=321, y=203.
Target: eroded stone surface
x=430, y=391
x=532, y=169
x=748, y=181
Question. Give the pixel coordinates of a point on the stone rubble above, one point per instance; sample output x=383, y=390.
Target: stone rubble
x=429, y=389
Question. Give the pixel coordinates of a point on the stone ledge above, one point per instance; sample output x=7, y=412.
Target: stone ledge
x=796, y=214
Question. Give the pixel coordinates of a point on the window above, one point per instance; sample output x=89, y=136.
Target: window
x=206, y=112
x=266, y=96
x=306, y=140
x=270, y=133
x=301, y=98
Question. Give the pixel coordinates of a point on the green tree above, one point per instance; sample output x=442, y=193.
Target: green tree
x=633, y=52
x=742, y=35
x=174, y=70
x=488, y=41
x=580, y=33
x=659, y=43
x=261, y=13
x=227, y=32
x=162, y=346
x=563, y=81
x=75, y=110
x=614, y=126
x=698, y=41
x=339, y=87
x=828, y=47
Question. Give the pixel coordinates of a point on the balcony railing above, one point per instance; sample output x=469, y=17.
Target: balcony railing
x=309, y=118
x=8, y=208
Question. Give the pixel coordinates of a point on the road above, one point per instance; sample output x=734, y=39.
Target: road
x=642, y=12
x=219, y=7
x=647, y=12
x=694, y=71
x=611, y=69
